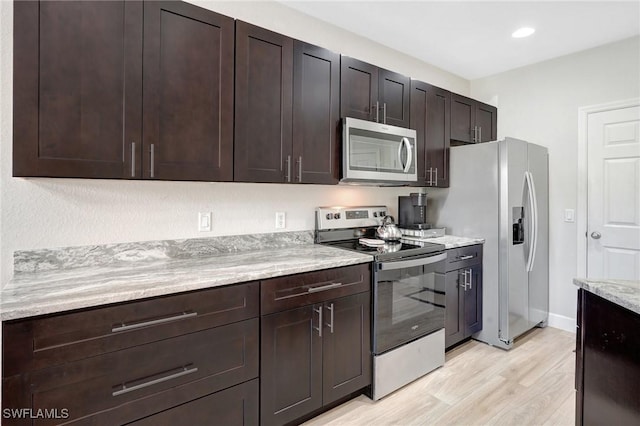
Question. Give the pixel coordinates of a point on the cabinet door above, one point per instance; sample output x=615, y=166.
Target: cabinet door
x=418, y=122
x=263, y=102
x=394, y=91
x=438, y=136
x=346, y=346
x=237, y=405
x=359, y=90
x=454, y=309
x=72, y=115
x=188, y=93
x=487, y=122
x=473, y=302
x=463, y=118
x=610, y=368
x=291, y=365
x=430, y=117
x=316, y=114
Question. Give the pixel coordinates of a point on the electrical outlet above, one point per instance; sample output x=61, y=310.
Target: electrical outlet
x=204, y=222
x=281, y=221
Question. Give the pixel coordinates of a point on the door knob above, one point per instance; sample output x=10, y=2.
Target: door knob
x=596, y=235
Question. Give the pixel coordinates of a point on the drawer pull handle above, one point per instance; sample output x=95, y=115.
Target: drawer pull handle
x=125, y=327
x=466, y=257
x=183, y=371
x=323, y=287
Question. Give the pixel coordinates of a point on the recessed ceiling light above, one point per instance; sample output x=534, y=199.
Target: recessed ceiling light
x=523, y=32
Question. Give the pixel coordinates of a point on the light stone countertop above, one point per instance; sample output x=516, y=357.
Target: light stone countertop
x=449, y=241
x=45, y=292
x=621, y=292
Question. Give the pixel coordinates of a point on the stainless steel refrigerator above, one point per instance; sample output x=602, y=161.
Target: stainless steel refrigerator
x=499, y=191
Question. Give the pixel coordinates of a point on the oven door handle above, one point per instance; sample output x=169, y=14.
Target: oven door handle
x=389, y=266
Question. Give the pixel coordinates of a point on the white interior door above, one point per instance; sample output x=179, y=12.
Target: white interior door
x=613, y=191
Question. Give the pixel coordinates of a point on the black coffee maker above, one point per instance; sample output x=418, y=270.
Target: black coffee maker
x=412, y=211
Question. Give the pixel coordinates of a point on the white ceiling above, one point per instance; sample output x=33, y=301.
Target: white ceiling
x=473, y=38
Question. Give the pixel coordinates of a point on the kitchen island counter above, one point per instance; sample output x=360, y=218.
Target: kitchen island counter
x=46, y=292
x=625, y=293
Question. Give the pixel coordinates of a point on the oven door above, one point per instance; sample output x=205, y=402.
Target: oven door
x=409, y=300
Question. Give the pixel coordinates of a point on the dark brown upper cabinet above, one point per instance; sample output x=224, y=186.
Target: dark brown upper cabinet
x=82, y=101
x=263, y=122
x=77, y=100
x=430, y=117
x=287, y=109
x=316, y=114
x=472, y=121
x=187, y=93
x=371, y=93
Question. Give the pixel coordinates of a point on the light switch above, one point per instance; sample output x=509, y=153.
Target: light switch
x=204, y=222
x=569, y=215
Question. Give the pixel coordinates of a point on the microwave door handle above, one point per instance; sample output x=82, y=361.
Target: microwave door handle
x=406, y=142
x=400, y=145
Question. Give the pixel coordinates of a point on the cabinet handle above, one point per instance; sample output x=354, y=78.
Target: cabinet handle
x=430, y=171
x=133, y=159
x=330, y=308
x=319, y=327
x=152, y=149
x=288, y=177
x=466, y=257
x=384, y=113
x=182, y=371
x=125, y=327
x=479, y=133
x=323, y=287
x=436, y=173
x=377, y=111
x=300, y=169
x=470, y=283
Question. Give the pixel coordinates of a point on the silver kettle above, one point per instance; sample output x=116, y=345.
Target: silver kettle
x=388, y=231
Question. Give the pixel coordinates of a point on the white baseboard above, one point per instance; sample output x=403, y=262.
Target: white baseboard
x=562, y=322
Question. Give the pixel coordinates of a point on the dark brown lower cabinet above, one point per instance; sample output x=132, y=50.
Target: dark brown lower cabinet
x=607, y=363
x=234, y=406
x=137, y=360
x=463, y=312
x=312, y=356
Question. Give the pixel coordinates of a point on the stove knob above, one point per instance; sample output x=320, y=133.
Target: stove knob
x=329, y=216
x=383, y=214
x=375, y=214
x=336, y=215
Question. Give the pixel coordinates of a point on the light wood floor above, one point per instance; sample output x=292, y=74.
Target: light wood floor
x=532, y=384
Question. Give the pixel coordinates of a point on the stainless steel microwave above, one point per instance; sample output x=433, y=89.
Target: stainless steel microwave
x=377, y=153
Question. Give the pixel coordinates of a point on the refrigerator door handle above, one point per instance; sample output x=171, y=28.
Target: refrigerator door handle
x=531, y=189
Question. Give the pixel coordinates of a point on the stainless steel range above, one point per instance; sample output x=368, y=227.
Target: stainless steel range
x=408, y=295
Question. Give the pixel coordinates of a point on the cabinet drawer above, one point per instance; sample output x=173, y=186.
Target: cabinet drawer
x=234, y=406
x=43, y=342
x=127, y=385
x=463, y=257
x=294, y=291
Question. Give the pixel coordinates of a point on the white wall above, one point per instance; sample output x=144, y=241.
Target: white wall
x=539, y=103
x=39, y=213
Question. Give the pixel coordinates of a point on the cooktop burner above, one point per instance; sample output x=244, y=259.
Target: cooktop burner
x=344, y=227
x=389, y=250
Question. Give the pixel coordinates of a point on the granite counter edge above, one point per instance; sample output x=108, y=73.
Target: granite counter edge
x=623, y=293
x=130, y=295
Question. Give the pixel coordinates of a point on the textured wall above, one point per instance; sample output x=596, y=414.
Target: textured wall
x=539, y=103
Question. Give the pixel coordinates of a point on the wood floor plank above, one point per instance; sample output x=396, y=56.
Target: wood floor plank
x=532, y=384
